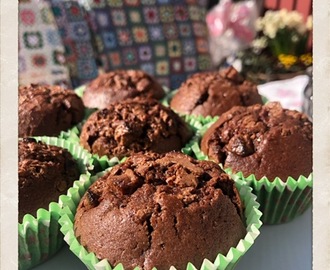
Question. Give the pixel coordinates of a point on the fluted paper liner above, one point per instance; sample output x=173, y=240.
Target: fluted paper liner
x=80, y=90
x=39, y=237
x=228, y=261
x=280, y=201
x=100, y=163
x=167, y=99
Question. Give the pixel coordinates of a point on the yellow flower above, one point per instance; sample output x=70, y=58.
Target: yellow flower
x=306, y=59
x=287, y=60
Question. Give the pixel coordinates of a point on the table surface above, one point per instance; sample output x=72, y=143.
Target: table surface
x=278, y=247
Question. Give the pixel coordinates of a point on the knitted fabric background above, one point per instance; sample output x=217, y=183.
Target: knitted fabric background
x=73, y=28
x=41, y=51
x=166, y=38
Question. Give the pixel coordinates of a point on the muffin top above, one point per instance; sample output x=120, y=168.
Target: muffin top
x=44, y=173
x=158, y=210
x=262, y=140
x=119, y=85
x=134, y=126
x=46, y=110
x=213, y=93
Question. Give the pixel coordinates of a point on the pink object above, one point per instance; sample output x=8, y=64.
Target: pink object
x=238, y=17
x=218, y=18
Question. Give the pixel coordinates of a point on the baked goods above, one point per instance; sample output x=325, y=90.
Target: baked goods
x=158, y=210
x=44, y=173
x=261, y=140
x=134, y=126
x=213, y=93
x=46, y=110
x=119, y=85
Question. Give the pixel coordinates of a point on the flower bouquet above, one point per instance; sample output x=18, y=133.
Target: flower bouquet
x=281, y=49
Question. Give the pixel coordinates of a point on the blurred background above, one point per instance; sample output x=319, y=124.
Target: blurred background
x=70, y=43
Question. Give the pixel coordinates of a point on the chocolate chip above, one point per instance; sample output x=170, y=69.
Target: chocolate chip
x=61, y=186
x=93, y=198
x=232, y=74
x=202, y=98
x=29, y=140
x=241, y=146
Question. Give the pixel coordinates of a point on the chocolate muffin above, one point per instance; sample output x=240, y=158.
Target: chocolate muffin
x=46, y=110
x=44, y=173
x=261, y=140
x=213, y=93
x=119, y=85
x=133, y=126
x=159, y=210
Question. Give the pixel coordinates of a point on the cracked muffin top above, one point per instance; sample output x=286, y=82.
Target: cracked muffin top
x=159, y=210
x=44, y=173
x=213, y=93
x=133, y=126
x=262, y=140
x=46, y=110
x=119, y=85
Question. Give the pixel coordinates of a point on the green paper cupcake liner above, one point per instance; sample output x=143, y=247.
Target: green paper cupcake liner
x=103, y=163
x=80, y=90
x=81, y=155
x=197, y=123
x=200, y=124
x=167, y=99
x=39, y=237
x=72, y=134
x=99, y=163
x=70, y=202
x=280, y=201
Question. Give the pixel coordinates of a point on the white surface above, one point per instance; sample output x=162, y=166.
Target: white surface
x=278, y=247
x=282, y=247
